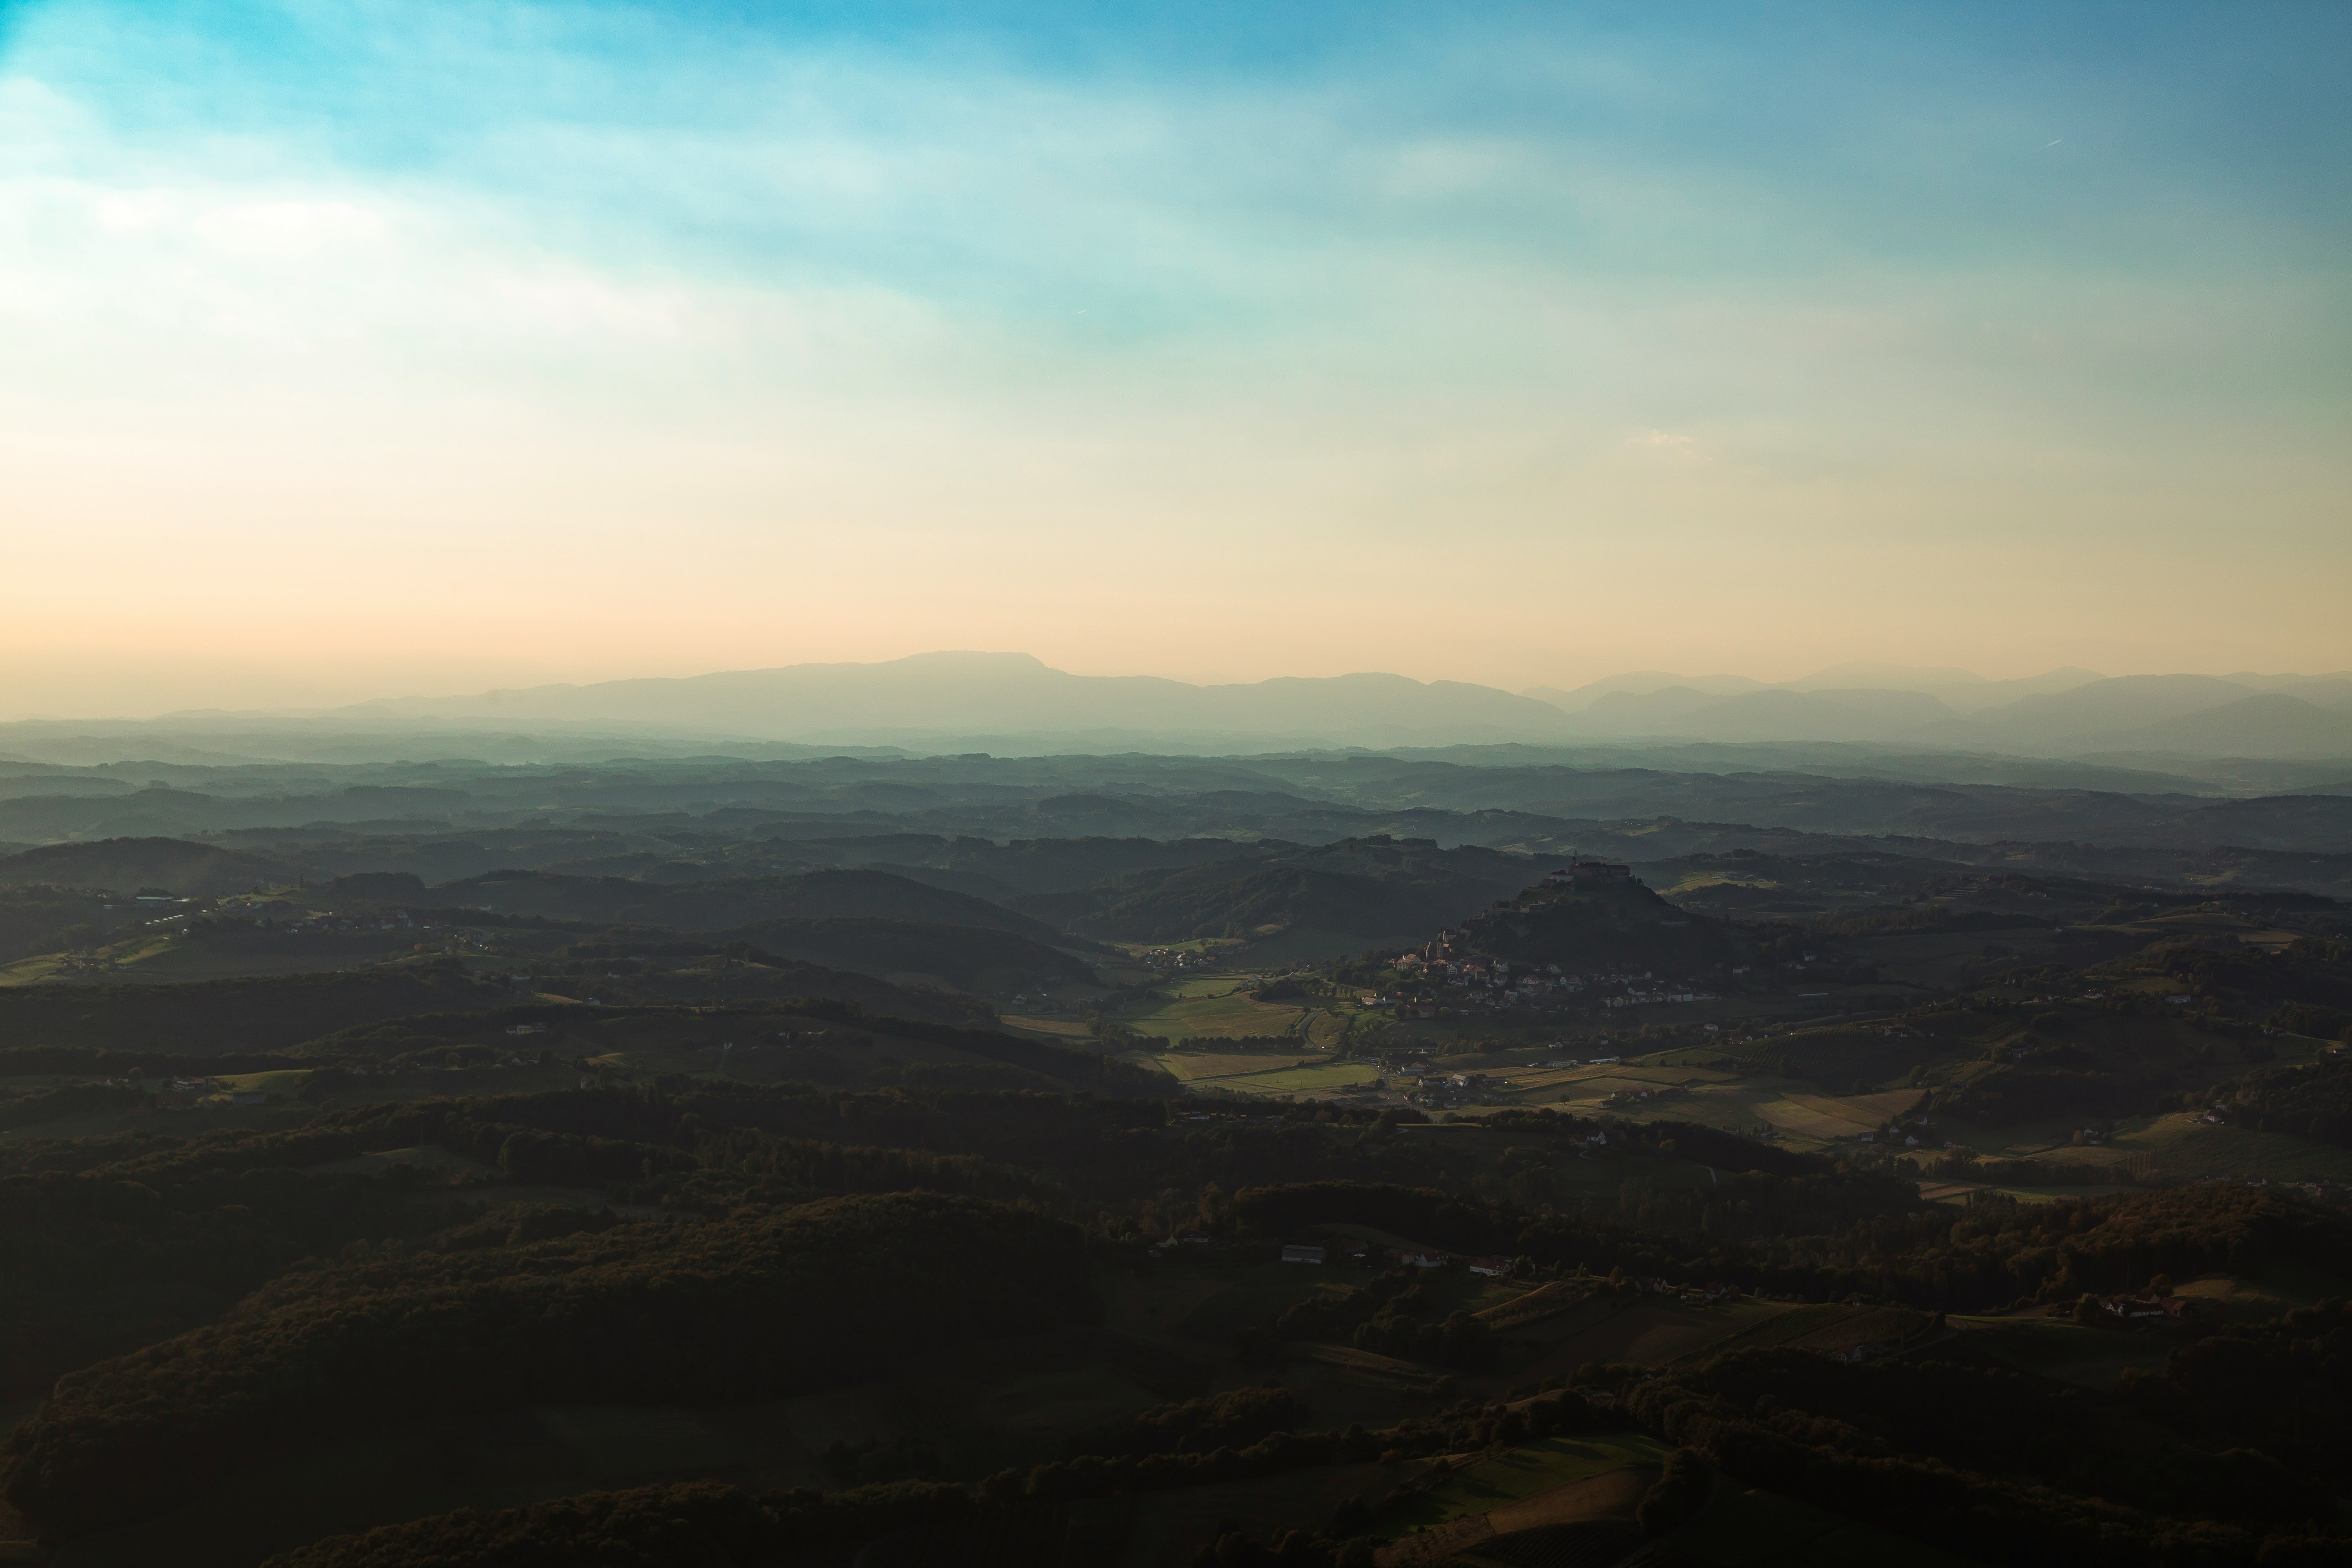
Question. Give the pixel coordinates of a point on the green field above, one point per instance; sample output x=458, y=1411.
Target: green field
x=1303, y=1081
x=136, y=954
x=1193, y=1067
x=1060, y=1031
x=1212, y=1006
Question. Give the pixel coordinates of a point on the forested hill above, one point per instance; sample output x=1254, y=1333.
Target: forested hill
x=729, y=902
x=1595, y=927
x=971, y=958
x=268, y=1013
x=126, y=865
x=1371, y=888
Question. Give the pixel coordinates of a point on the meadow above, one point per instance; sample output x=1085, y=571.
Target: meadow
x=1211, y=1008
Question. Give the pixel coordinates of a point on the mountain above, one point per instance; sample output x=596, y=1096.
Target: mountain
x=2069, y=713
x=2272, y=725
x=1640, y=683
x=1832, y=715
x=964, y=705
x=1962, y=690
x=1768, y=714
x=1640, y=712
x=127, y=864
x=974, y=694
x=2076, y=718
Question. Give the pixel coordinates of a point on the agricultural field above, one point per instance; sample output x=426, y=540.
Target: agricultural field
x=1332, y=1078
x=1649, y=1330
x=1826, y=1327
x=2173, y=1144
x=1343, y=1384
x=1212, y=1007
x=1195, y=1066
x=1519, y=1475
x=1804, y=1118
x=1058, y=1031
x=1827, y=1117
x=132, y=958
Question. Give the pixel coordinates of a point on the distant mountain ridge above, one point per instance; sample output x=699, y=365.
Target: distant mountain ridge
x=60, y=779
x=2192, y=715
x=988, y=699
x=974, y=693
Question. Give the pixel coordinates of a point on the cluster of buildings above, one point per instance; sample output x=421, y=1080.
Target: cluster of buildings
x=1438, y=964
x=1643, y=998
x=1498, y=982
x=1173, y=958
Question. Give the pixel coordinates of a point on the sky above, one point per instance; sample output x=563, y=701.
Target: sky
x=362, y=350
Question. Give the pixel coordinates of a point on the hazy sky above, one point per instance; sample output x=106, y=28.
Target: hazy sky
x=351, y=349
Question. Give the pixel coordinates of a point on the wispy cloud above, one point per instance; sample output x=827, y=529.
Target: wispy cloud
x=966, y=319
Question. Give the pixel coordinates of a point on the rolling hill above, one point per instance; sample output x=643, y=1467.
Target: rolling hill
x=731, y=902
x=126, y=865
x=1367, y=887
x=971, y=958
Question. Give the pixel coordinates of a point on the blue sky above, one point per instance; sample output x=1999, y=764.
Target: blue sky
x=948, y=325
